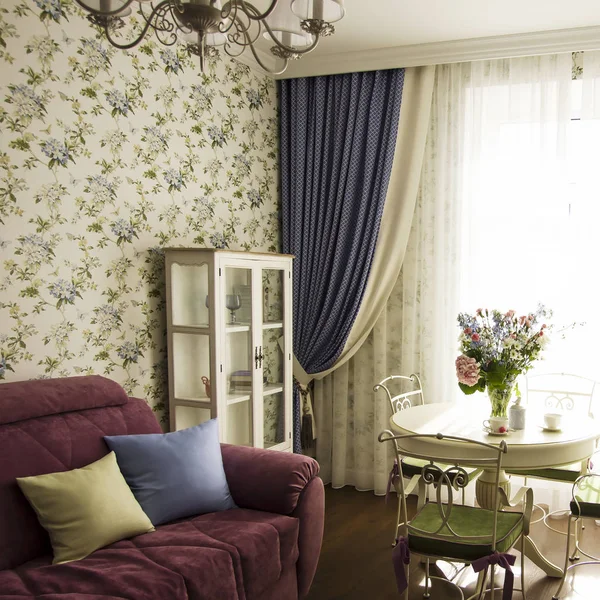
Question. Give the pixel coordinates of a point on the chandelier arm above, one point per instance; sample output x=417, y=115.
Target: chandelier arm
x=241, y=36
x=249, y=9
x=110, y=13
x=161, y=7
x=259, y=61
x=292, y=48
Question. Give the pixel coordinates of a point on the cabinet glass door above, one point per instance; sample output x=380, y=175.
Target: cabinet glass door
x=238, y=365
x=274, y=364
x=190, y=337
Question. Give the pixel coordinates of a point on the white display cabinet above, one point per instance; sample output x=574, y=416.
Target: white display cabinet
x=229, y=332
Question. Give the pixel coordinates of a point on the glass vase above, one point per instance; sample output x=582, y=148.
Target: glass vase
x=499, y=399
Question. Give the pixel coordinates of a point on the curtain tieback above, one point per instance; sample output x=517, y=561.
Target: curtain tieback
x=308, y=425
x=394, y=474
x=503, y=560
x=401, y=557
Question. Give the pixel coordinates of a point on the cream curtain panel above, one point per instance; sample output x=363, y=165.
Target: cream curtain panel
x=416, y=330
x=395, y=222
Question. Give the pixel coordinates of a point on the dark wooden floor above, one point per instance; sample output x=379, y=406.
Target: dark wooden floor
x=355, y=561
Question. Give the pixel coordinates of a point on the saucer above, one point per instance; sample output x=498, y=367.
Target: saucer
x=497, y=433
x=551, y=429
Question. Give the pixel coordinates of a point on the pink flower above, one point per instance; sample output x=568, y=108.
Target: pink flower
x=467, y=370
x=475, y=337
x=544, y=326
x=479, y=311
x=541, y=333
x=510, y=314
x=522, y=319
x=468, y=331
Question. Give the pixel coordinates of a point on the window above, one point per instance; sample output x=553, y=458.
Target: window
x=531, y=228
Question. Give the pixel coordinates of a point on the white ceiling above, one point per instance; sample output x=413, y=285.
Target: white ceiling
x=370, y=24
x=378, y=34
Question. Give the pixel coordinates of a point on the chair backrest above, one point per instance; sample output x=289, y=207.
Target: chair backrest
x=563, y=392
x=401, y=391
x=449, y=475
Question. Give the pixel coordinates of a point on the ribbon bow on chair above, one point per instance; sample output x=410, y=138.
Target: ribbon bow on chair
x=401, y=557
x=394, y=474
x=503, y=560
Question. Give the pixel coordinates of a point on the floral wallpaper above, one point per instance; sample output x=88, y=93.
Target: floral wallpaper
x=106, y=157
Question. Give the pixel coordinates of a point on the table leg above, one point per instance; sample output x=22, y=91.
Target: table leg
x=485, y=494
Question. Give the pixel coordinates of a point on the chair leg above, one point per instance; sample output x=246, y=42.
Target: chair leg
x=575, y=556
x=421, y=494
x=398, y=515
x=523, y=568
x=426, y=594
x=492, y=582
x=481, y=579
x=562, y=581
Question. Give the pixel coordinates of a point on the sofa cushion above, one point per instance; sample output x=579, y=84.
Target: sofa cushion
x=50, y=444
x=85, y=509
x=188, y=461
x=231, y=555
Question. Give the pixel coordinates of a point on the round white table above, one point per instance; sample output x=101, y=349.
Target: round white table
x=530, y=448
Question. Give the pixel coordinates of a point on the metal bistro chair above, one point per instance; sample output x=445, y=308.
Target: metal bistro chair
x=566, y=393
x=585, y=504
x=411, y=468
x=442, y=530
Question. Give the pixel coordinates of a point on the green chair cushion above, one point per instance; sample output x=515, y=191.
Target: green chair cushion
x=414, y=466
x=465, y=521
x=588, y=496
x=568, y=473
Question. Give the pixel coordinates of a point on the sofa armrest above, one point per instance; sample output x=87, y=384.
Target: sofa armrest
x=286, y=484
x=266, y=479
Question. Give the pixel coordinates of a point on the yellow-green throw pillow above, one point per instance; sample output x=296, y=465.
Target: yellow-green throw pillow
x=85, y=509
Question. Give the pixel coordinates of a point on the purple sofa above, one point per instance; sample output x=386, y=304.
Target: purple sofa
x=266, y=549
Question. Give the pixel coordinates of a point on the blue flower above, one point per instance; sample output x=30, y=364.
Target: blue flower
x=255, y=198
x=64, y=290
x=174, y=179
x=56, y=151
x=216, y=135
x=171, y=61
x=218, y=240
x=50, y=7
x=123, y=230
x=129, y=352
x=254, y=98
x=118, y=101
x=26, y=101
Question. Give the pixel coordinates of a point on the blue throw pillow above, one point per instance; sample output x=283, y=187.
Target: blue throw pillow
x=174, y=475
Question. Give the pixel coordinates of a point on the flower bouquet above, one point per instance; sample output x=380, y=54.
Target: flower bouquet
x=496, y=348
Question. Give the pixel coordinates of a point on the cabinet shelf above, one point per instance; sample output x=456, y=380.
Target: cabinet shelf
x=237, y=327
x=268, y=390
x=201, y=329
x=272, y=388
x=233, y=398
x=199, y=402
x=272, y=325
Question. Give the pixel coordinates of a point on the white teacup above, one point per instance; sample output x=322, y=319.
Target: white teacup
x=552, y=420
x=496, y=424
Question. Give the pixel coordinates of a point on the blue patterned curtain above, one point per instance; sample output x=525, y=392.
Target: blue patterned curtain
x=337, y=141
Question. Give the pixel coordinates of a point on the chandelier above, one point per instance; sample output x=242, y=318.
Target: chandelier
x=294, y=27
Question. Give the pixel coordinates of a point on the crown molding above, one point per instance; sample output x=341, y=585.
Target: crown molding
x=416, y=55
